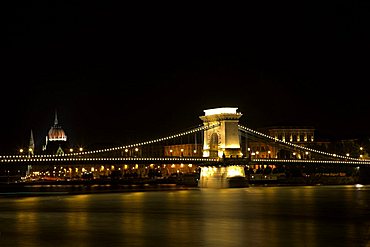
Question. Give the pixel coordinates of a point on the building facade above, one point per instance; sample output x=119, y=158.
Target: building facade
x=56, y=140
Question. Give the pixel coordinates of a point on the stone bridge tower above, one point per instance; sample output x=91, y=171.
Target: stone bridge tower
x=222, y=140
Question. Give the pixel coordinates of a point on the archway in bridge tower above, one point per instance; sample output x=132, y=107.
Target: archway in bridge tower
x=213, y=145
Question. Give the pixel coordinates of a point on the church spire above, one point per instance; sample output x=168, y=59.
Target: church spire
x=56, y=118
x=31, y=145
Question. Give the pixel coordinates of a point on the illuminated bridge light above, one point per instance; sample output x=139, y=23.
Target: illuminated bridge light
x=55, y=158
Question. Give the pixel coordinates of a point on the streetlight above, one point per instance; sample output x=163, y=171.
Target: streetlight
x=252, y=155
x=361, y=152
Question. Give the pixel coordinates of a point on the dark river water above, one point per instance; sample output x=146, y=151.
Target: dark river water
x=254, y=216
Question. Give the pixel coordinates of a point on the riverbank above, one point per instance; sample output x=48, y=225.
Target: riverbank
x=65, y=187
x=47, y=189
x=310, y=180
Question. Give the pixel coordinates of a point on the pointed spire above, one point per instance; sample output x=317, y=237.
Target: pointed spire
x=31, y=145
x=56, y=118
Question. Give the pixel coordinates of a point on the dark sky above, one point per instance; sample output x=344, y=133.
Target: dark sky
x=121, y=73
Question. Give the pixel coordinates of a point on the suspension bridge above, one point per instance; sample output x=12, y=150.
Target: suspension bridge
x=220, y=148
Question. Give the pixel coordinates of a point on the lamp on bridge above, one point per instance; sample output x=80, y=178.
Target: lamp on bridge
x=252, y=155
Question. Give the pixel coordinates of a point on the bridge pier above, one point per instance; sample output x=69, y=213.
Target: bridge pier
x=222, y=177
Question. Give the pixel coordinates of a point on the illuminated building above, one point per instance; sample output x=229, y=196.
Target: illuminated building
x=303, y=136
x=56, y=140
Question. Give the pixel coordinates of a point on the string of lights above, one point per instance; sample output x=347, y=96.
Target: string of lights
x=346, y=158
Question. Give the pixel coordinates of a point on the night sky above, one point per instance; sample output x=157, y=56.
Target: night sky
x=117, y=74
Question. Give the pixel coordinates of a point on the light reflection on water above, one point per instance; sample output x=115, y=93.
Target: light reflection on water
x=254, y=216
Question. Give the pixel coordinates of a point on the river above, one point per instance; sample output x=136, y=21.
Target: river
x=255, y=216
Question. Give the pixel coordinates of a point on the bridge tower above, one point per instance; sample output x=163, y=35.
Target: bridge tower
x=222, y=140
x=31, y=150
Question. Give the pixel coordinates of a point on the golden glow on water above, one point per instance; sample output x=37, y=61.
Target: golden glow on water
x=77, y=219
x=254, y=216
x=133, y=223
x=27, y=222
